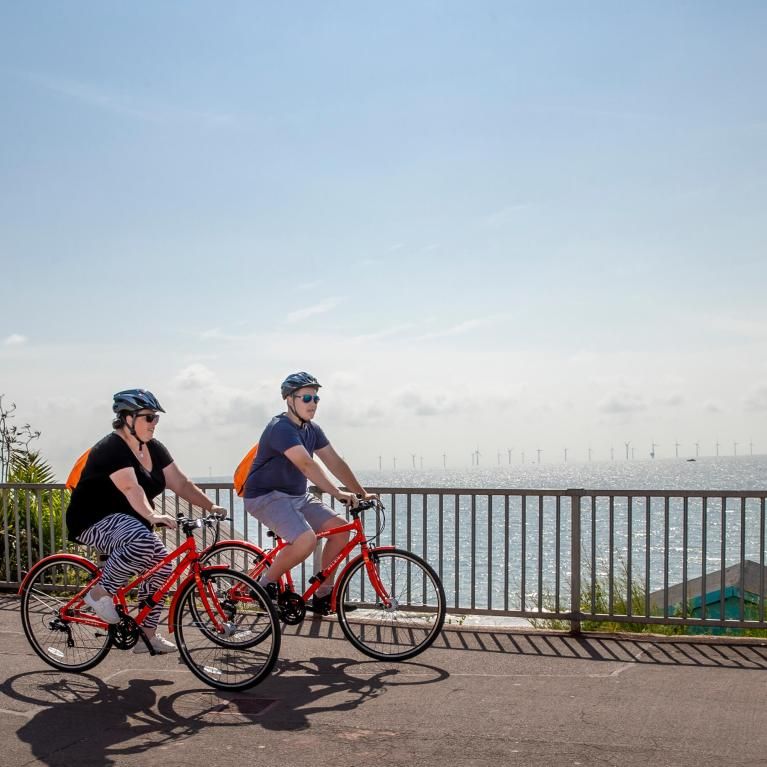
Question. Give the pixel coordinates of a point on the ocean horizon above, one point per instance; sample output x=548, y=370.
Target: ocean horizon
x=707, y=473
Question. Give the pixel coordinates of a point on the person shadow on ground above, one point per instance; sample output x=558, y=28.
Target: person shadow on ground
x=86, y=721
x=89, y=729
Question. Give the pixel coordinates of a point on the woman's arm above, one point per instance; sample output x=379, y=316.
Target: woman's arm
x=182, y=486
x=126, y=482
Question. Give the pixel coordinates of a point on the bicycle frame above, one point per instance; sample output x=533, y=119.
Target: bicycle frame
x=316, y=580
x=190, y=559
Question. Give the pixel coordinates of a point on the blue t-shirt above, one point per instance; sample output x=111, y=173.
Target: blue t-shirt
x=271, y=470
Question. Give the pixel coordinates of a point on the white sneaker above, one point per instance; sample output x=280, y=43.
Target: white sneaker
x=159, y=644
x=103, y=607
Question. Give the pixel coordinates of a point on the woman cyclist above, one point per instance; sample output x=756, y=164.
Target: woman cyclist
x=275, y=490
x=112, y=506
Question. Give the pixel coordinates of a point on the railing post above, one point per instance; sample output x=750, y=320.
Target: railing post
x=575, y=496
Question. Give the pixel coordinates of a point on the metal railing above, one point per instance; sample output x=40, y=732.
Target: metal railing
x=687, y=558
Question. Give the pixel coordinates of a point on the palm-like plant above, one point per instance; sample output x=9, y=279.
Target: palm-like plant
x=32, y=517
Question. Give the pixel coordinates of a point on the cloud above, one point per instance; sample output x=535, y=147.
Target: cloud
x=737, y=326
x=462, y=327
x=15, y=340
x=195, y=376
x=499, y=217
x=429, y=403
x=622, y=402
x=712, y=407
x=757, y=400
x=325, y=306
x=121, y=104
x=671, y=400
x=385, y=333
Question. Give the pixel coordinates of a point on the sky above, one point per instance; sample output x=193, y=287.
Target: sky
x=486, y=226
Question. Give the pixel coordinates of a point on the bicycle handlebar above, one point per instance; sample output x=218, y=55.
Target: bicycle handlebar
x=190, y=524
x=372, y=503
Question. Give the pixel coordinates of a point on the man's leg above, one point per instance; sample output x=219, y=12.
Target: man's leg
x=333, y=547
x=293, y=554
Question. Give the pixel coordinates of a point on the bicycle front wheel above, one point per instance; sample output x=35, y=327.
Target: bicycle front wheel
x=57, y=636
x=393, y=607
x=230, y=644
x=236, y=555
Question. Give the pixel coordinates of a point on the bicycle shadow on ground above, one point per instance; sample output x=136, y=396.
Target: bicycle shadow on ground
x=84, y=720
x=303, y=689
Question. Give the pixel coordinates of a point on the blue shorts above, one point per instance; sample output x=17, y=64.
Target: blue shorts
x=290, y=515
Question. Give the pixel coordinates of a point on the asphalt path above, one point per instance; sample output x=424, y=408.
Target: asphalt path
x=480, y=696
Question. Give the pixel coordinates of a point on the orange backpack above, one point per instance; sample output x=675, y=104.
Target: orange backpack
x=242, y=470
x=77, y=470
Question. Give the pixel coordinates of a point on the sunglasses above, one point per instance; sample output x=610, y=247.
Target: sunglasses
x=307, y=398
x=150, y=417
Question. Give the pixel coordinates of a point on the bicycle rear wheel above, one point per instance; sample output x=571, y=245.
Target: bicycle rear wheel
x=407, y=621
x=230, y=644
x=61, y=641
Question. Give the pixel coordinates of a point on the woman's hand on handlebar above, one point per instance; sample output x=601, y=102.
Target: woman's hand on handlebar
x=163, y=520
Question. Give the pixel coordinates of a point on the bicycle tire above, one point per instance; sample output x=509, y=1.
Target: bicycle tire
x=227, y=665
x=413, y=620
x=237, y=555
x=50, y=587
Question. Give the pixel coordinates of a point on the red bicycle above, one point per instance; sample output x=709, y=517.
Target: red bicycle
x=390, y=603
x=226, y=627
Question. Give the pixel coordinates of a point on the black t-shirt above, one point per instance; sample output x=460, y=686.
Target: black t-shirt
x=96, y=496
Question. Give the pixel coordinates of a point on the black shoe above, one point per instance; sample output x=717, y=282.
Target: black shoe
x=321, y=605
x=272, y=591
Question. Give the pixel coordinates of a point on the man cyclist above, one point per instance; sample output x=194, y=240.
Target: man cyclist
x=275, y=489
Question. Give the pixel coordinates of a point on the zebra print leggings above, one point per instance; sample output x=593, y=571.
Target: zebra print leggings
x=132, y=549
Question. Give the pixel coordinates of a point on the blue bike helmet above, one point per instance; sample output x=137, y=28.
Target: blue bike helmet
x=131, y=400
x=296, y=381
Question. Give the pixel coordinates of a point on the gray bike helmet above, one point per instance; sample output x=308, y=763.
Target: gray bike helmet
x=296, y=381
x=131, y=400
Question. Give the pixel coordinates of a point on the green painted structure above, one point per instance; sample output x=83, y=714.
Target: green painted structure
x=739, y=589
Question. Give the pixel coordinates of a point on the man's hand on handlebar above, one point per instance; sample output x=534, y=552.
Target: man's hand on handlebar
x=218, y=511
x=348, y=499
